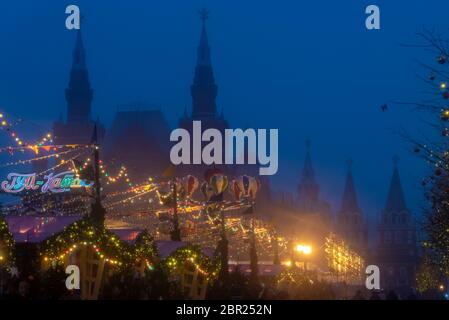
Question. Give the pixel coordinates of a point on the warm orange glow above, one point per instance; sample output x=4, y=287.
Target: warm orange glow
x=305, y=249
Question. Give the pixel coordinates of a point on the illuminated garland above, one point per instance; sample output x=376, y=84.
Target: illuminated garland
x=8, y=126
x=292, y=275
x=62, y=163
x=145, y=248
x=108, y=246
x=342, y=260
x=193, y=254
x=127, y=200
x=20, y=162
x=6, y=244
x=112, y=179
x=83, y=233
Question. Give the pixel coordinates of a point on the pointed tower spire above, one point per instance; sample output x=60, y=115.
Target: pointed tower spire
x=79, y=94
x=308, y=175
x=349, y=202
x=79, y=54
x=204, y=90
x=395, y=199
x=308, y=189
x=351, y=223
x=204, y=49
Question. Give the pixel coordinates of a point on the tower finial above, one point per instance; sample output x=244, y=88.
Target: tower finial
x=308, y=144
x=349, y=203
x=349, y=163
x=204, y=90
x=204, y=15
x=79, y=93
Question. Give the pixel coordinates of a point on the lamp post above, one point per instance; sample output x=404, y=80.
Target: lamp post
x=224, y=250
x=98, y=212
x=244, y=189
x=303, y=250
x=176, y=232
x=276, y=260
x=1, y=274
x=254, y=276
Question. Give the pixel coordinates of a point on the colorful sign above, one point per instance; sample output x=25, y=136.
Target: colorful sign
x=54, y=183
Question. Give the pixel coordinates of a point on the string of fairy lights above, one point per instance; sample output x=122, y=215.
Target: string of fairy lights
x=8, y=126
x=136, y=193
x=46, y=157
x=199, y=225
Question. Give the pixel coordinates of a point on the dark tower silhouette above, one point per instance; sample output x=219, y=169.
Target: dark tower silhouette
x=78, y=127
x=204, y=93
x=351, y=224
x=309, y=201
x=397, y=250
x=308, y=189
x=204, y=90
x=79, y=93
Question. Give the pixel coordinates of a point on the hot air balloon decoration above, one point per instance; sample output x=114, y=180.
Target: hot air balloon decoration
x=207, y=190
x=210, y=173
x=235, y=190
x=215, y=187
x=166, y=193
x=219, y=184
x=190, y=184
x=249, y=186
x=180, y=190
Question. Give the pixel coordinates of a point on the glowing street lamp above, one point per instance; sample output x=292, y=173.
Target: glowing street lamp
x=1, y=274
x=304, y=249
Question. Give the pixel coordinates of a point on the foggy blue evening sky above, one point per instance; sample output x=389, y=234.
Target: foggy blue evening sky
x=310, y=69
